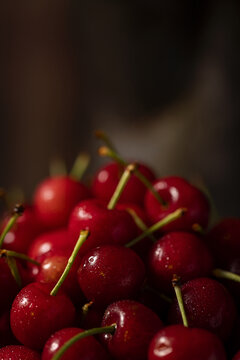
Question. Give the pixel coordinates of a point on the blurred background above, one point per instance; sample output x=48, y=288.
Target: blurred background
x=160, y=77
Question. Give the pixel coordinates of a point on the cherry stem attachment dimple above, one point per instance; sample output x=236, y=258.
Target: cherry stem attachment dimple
x=82, y=238
x=106, y=151
x=80, y=166
x=18, y=211
x=101, y=330
x=121, y=185
x=140, y=223
x=178, y=292
x=224, y=274
x=168, y=219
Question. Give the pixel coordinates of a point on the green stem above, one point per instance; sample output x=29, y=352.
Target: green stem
x=223, y=274
x=102, y=330
x=83, y=237
x=17, y=255
x=57, y=167
x=18, y=211
x=14, y=270
x=121, y=186
x=178, y=292
x=80, y=166
x=140, y=224
x=168, y=219
x=85, y=309
x=106, y=139
x=106, y=151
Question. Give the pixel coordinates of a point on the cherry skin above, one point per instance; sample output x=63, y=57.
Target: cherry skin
x=237, y=356
x=136, y=325
x=85, y=349
x=107, y=179
x=110, y=273
x=178, y=193
x=181, y=343
x=208, y=305
x=178, y=253
x=223, y=240
x=106, y=226
x=18, y=352
x=26, y=228
x=35, y=314
x=55, y=198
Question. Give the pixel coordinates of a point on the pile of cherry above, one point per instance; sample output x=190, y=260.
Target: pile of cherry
x=125, y=269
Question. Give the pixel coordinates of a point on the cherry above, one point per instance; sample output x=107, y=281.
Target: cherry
x=25, y=229
x=35, y=314
x=107, y=179
x=55, y=198
x=135, y=326
x=208, y=305
x=181, y=343
x=237, y=356
x=6, y=336
x=106, y=226
x=176, y=192
x=178, y=253
x=109, y=273
x=85, y=349
x=18, y=352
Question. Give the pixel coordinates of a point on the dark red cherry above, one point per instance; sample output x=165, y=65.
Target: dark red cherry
x=26, y=228
x=237, y=356
x=181, y=343
x=177, y=193
x=6, y=336
x=224, y=240
x=9, y=287
x=136, y=325
x=110, y=273
x=106, y=226
x=107, y=179
x=178, y=253
x=55, y=198
x=208, y=305
x=18, y=352
x=36, y=314
x=85, y=349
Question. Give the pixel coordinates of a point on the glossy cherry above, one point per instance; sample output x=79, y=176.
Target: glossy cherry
x=110, y=273
x=208, y=305
x=181, y=343
x=55, y=198
x=107, y=178
x=85, y=349
x=176, y=192
x=105, y=226
x=136, y=325
x=35, y=314
x=18, y=352
x=178, y=253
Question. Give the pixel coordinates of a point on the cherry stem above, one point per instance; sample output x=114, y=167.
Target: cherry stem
x=17, y=255
x=106, y=151
x=14, y=270
x=106, y=139
x=139, y=222
x=121, y=185
x=57, y=167
x=165, y=221
x=80, y=166
x=159, y=294
x=85, y=310
x=224, y=274
x=101, y=330
x=198, y=229
x=18, y=211
x=178, y=292
x=83, y=237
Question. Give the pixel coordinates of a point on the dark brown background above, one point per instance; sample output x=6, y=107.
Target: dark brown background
x=162, y=77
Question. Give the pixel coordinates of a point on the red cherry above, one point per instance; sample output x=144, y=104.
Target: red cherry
x=9, y=287
x=136, y=325
x=105, y=226
x=36, y=314
x=55, y=198
x=181, y=343
x=208, y=305
x=107, y=179
x=6, y=336
x=109, y=273
x=178, y=193
x=18, y=352
x=26, y=228
x=85, y=349
x=178, y=253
